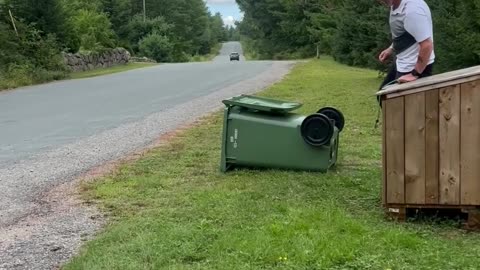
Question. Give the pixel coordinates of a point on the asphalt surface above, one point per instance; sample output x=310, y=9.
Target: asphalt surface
x=51, y=134
x=36, y=119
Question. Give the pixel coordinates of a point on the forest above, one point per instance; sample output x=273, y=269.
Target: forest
x=354, y=32
x=34, y=33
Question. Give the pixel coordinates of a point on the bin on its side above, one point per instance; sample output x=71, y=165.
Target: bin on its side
x=264, y=133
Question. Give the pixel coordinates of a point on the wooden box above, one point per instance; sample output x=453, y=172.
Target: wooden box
x=431, y=142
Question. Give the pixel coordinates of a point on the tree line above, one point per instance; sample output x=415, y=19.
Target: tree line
x=354, y=32
x=33, y=33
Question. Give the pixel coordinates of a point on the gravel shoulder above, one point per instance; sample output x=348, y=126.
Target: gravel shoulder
x=42, y=220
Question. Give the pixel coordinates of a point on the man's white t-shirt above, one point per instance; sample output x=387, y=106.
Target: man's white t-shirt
x=413, y=16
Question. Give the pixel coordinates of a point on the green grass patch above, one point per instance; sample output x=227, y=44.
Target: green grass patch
x=24, y=75
x=173, y=209
x=110, y=70
x=209, y=57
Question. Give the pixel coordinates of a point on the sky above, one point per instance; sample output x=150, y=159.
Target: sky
x=228, y=9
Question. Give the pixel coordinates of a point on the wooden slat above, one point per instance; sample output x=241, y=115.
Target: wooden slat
x=433, y=206
x=384, y=155
x=415, y=148
x=449, y=140
x=451, y=76
x=430, y=87
x=470, y=144
x=431, y=147
x=395, y=154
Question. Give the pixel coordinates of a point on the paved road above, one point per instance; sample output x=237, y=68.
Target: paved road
x=50, y=134
x=228, y=48
x=36, y=119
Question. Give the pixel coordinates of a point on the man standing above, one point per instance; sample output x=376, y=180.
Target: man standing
x=412, y=32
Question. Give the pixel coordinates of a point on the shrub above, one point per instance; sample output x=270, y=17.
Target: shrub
x=157, y=47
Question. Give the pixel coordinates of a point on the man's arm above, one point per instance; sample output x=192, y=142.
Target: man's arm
x=417, y=23
x=426, y=49
x=386, y=54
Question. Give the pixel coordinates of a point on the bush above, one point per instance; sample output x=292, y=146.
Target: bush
x=94, y=29
x=32, y=57
x=16, y=75
x=137, y=29
x=157, y=47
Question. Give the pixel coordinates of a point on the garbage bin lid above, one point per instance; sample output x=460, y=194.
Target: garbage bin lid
x=262, y=104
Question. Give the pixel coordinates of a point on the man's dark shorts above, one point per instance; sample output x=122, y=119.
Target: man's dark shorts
x=393, y=74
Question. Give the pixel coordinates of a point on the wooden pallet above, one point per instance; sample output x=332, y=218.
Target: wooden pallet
x=400, y=213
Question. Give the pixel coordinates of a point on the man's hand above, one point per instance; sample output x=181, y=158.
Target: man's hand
x=407, y=78
x=385, y=54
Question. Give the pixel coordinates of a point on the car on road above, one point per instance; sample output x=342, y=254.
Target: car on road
x=234, y=56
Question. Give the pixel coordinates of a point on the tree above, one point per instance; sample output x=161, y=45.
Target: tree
x=233, y=33
x=47, y=16
x=137, y=29
x=354, y=31
x=358, y=42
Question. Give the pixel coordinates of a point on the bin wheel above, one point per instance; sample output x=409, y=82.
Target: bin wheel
x=334, y=114
x=317, y=129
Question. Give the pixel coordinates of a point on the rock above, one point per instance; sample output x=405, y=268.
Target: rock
x=55, y=248
x=82, y=62
x=65, y=60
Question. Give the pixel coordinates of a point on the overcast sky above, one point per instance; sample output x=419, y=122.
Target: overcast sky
x=228, y=9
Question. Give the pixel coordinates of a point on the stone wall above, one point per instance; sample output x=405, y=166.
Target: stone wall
x=83, y=62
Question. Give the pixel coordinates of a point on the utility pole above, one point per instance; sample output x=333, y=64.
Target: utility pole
x=144, y=12
x=13, y=22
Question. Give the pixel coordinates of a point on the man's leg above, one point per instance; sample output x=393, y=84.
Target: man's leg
x=427, y=72
x=391, y=76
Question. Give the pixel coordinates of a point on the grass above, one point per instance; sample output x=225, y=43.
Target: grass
x=208, y=57
x=110, y=70
x=173, y=209
x=20, y=78
x=24, y=75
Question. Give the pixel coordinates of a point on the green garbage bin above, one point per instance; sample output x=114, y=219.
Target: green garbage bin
x=264, y=133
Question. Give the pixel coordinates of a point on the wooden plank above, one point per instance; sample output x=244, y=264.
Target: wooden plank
x=470, y=143
x=415, y=148
x=429, y=87
x=434, y=80
x=431, y=147
x=384, y=154
x=395, y=150
x=449, y=141
x=432, y=206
